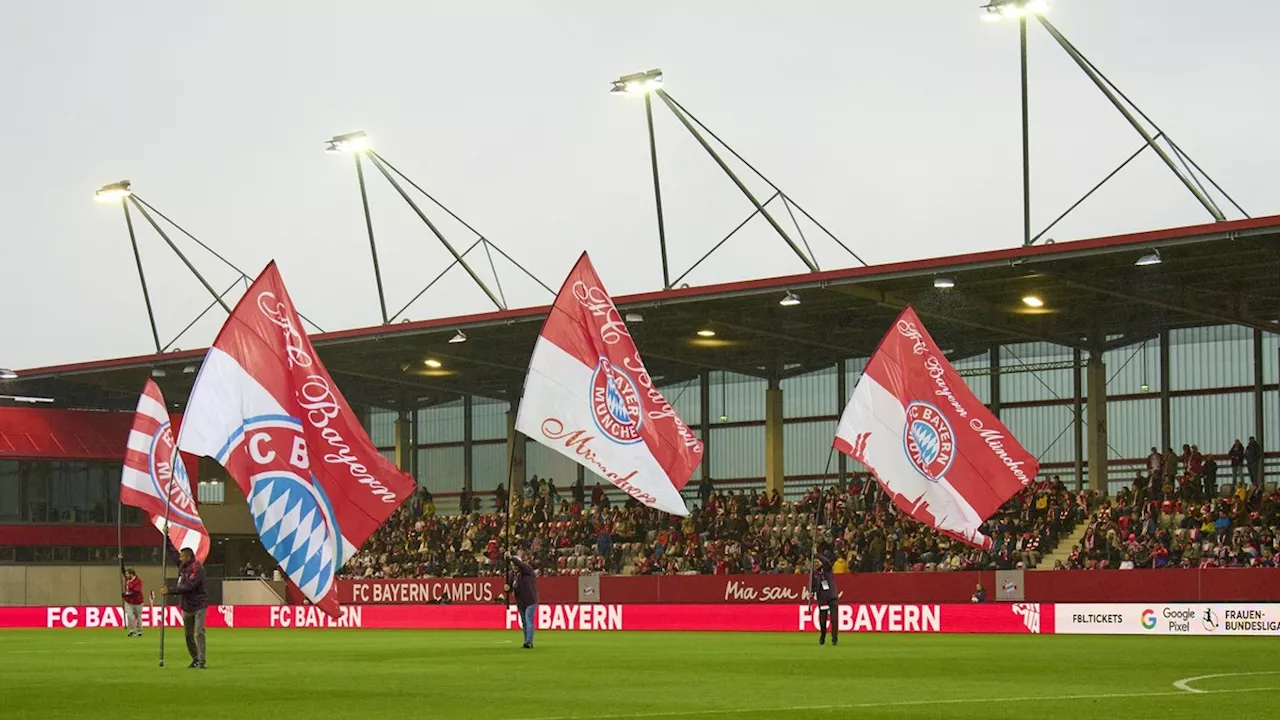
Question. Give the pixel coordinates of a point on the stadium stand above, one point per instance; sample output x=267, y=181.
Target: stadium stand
x=1174, y=515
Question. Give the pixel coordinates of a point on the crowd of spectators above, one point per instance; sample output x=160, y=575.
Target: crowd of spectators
x=726, y=532
x=1177, y=514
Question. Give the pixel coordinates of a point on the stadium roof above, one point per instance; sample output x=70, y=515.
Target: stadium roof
x=1220, y=273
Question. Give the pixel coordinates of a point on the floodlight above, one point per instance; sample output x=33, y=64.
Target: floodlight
x=348, y=143
x=638, y=83
x=997, y=10
x=114, y=191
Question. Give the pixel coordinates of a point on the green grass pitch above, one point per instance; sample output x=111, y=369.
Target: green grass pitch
x=287, y=674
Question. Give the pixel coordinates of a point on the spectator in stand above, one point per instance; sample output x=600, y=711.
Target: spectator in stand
x=1253, y=461
x=1210, y=477
x=1169, y=465
x=1236, y=453
x=1154, y=462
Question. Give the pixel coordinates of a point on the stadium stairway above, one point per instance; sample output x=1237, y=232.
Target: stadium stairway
x=1063, y=550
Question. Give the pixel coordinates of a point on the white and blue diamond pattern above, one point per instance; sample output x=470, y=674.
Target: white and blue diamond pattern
x=296, y=523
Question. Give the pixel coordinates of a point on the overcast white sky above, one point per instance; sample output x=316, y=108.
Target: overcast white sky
x=895, y=123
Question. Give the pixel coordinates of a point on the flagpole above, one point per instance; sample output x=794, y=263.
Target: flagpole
x=506, y=524
x=164, y=560
x=120, y=549
x=813, y=540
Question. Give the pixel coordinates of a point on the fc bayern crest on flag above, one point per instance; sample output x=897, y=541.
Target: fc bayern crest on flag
x=615, y=403
x=928, y=440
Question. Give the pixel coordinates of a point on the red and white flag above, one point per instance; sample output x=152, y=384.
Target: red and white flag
x=266, y=409
x=154, y=470
x=589, y=397
x=942, y=456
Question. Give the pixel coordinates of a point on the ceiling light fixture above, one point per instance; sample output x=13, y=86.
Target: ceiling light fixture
x=1149, y=259
x=943, y=283
x=789, y=300
x=1032, y=301
x=458, y=337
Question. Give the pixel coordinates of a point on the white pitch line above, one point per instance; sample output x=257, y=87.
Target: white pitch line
x=900, y=703
x=1185, y=683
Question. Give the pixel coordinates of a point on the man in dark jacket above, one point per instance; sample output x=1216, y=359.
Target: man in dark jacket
x=524, y=581
x=194, y=601
x=823, y=585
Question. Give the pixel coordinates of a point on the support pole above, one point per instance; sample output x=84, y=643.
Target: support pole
x=1097, y=420
x=704, y=421
x=1077, y=382
x=1259, y=407
x=165, y=236
x=377, y=163
x=1166, y=395
x=468, y=442
x=741, y=187
x=373, y=246
x=774, y=476
x=142, y=277
x=993, y=362
x=1026, y=138
x=657, y=193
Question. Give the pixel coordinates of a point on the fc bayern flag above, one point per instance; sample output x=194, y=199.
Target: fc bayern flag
x=154, y=470
x=942, y=456
x=589, y=397
x=266, y=409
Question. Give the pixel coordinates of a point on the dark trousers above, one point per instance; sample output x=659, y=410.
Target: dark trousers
x=193, y=624
x=829, y=613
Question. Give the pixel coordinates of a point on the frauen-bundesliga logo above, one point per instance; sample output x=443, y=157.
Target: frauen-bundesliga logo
x=928, y=440
x=615, y=403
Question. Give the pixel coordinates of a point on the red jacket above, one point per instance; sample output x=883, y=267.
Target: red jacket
x=133, y=591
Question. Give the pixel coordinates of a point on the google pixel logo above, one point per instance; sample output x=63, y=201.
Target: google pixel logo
x=1149, y=619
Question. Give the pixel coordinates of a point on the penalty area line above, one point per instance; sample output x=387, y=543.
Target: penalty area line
x=902, y=703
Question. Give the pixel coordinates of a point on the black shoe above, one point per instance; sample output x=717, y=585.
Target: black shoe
x=193, y=665
x=527, y=646
x=822, y=641
x=834, y=642
x=131, y=634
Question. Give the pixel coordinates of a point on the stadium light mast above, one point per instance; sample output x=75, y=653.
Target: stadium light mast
x=1178, y=162
x=121, y=191
x=650, y=84
x=645, y=83
x=996, y=11
x=357, y=144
